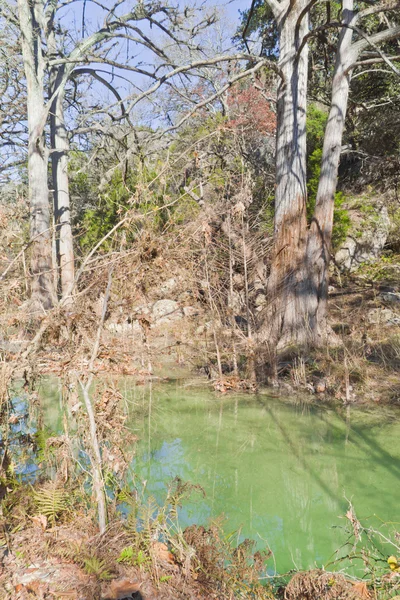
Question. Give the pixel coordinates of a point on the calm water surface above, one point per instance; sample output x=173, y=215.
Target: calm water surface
x=279, y=471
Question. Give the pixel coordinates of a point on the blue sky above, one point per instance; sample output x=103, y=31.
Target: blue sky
x=129, y=83
x=234, y=6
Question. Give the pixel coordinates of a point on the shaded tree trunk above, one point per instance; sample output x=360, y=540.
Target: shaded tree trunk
x=42, y=285
x=285, y=286
x=62, y=212
x=298, y=282
x=320, y=234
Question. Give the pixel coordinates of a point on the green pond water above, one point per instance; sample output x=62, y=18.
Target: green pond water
x=281, y=472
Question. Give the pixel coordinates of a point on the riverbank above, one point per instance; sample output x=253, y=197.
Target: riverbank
x=172, y=334
x=171, y=331
x=280, y=472
x=67, y=558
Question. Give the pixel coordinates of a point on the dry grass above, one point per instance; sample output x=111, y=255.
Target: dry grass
x=321, y=585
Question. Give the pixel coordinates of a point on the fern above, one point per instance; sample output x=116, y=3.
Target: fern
x=141, y=559
x=51, y=502
x=125, y=496
x=96, y=566
x=126, y=555
x=70, y=550
x=43, y=451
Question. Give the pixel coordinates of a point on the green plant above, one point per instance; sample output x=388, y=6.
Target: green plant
x=367, y=549
x=43, y=450
x=138, y=191
x=316, y=123
x=141, y=559
x=341, y=221
x=178, y=491
x=385, y=269
x=96, y=566
x=341, y=218
x=51, y=501
x=126, y=555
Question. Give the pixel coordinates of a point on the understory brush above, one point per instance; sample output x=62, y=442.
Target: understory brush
x=50, y=525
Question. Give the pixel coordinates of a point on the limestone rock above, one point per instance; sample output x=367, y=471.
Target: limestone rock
x=383, y=316
x=203, y=328
x=166, y=310
x=367, y=247
x=236, y=301
x=390, y=297
x=124, y=327
x=168, y=286
x=191, y=311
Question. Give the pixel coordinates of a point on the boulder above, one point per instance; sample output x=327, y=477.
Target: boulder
x=168, y=286
x=166, y=310
x=383, y=316
x=124, y=327
x=390, y=297
x=366, y=247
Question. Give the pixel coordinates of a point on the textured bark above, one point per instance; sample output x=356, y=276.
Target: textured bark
x=62, y=212
x=320, y=234
x=42, y=286
x=298, y=283
x=285, y=319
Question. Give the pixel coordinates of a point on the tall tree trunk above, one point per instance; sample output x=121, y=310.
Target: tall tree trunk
x=59, y=161
x=42, y=287
x=298, y=283
x=320, y=234
x=284, y=322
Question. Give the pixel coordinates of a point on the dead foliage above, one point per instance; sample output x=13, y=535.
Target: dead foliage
x=234, y=384
x=321, y=585
x=220, y=566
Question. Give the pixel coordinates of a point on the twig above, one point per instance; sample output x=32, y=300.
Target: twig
x=98, y=481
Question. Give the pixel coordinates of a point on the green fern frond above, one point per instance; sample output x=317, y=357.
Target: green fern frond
x=125, y=496
x=96, y=566
x=51, y=501
x=142, y=559
x=131, y=527
x=126, y=555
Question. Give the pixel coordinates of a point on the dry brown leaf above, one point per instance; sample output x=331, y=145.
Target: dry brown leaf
x=361, y=588
x=120, y=587
x=162, y=553
x=40, y=521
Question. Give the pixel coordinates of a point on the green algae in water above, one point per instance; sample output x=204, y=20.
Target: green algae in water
x=280, y=472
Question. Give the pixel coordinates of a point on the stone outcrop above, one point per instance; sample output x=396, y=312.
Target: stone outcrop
x=367, y=243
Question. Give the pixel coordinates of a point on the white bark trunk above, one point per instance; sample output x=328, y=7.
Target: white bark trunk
x=290, y=228
x=42, y=288
x=320, y=234
x=62, y=211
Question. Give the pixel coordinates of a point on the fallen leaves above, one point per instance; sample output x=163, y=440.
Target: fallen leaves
x=161, y=551
x=120, y=588
x=361, y=589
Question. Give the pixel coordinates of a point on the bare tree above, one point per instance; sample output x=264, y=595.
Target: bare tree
x=291, y=183
x=59, y=164
x=52, y=58
x=298, y=281
x=13, y=126
x=42, y=286
x=320, y=234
